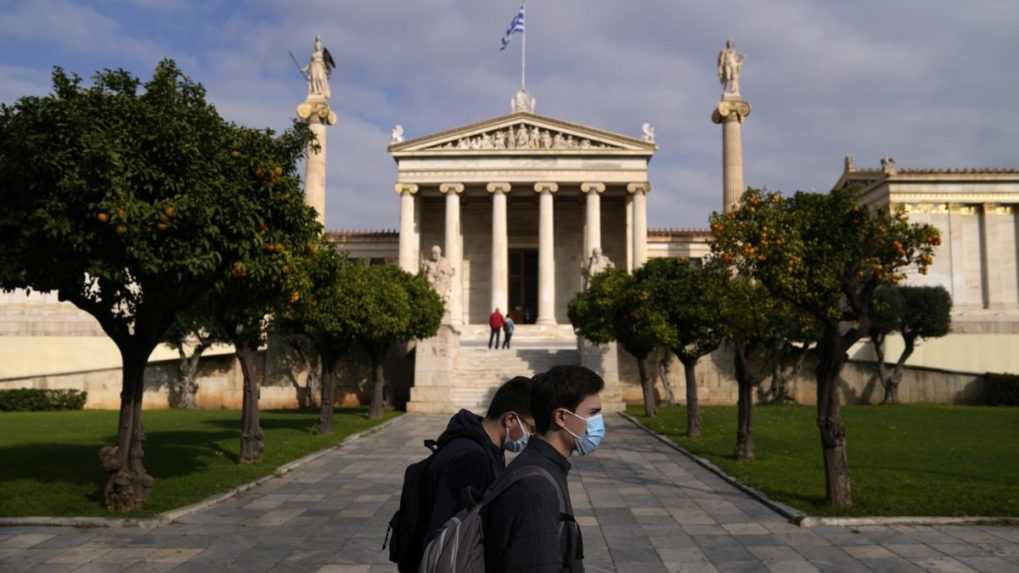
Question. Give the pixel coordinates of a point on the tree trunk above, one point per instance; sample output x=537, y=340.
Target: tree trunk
x=693, y=406
x=252, y=440
x=744, y=430
x=129, y=483
x=892, y=389
x=184, y=395
x=309, y=393
x=877, y=341
x=648, y=386
x=829, y=420
x=663, y=374
x=744, y=379
x=325, y=417
x=378, y=388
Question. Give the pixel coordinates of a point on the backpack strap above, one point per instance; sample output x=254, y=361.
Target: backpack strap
x=519, y=474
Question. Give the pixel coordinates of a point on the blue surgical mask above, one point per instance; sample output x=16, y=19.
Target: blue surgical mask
x=592, y=437
x=517, y=445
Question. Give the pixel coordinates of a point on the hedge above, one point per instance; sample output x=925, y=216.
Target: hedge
x=30, y=400
x=1002, y=389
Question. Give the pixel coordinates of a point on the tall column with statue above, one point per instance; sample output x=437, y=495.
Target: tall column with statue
x=730, y=113
x=316, y=111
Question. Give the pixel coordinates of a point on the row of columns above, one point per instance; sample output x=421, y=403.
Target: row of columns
x=410, y=238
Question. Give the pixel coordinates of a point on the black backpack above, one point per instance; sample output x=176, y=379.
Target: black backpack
x=406, y=533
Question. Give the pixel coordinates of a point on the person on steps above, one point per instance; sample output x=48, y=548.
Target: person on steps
x=507, y=330
x=495, y=322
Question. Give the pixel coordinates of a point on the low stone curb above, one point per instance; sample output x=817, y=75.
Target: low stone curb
x=801, y=519
x=169, y=517
x=793, y=515
x=918, y=520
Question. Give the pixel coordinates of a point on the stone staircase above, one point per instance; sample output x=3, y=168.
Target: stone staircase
x=481, y=371
x=455, y=372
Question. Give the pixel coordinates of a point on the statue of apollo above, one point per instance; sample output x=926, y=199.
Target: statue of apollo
x=730, y=64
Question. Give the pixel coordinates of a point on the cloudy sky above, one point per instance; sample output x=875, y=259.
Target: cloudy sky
x=929, y=82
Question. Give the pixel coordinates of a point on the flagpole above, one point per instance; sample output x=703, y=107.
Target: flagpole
x=523, y=52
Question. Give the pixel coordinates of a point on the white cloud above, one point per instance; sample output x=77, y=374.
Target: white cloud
x=931, y=83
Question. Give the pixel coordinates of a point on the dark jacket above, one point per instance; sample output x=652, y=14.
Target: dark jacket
x=524, y=530
x=466, y=457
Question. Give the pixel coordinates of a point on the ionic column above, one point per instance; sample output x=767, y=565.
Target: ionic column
x=731, y=112
x=546, y=252
x=409, y=245
x=500, y=247
x=592, y=230
x=639, y=193
x=629, y=233
x=317, y=113
x=454, y=249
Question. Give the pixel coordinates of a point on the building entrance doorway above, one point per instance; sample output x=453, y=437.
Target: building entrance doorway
x=523, y=285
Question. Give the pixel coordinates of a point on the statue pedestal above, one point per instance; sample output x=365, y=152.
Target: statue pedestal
x=604, y=360
x=435, y=363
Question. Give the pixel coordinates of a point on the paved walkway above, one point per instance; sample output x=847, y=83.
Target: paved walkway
x=644, y=508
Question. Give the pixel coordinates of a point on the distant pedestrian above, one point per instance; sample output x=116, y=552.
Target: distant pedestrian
x=507, y=329
x=495, y=322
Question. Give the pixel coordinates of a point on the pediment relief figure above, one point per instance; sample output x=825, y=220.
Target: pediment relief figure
x=521, y=136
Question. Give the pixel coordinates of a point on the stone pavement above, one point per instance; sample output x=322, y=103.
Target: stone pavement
x=643, y=507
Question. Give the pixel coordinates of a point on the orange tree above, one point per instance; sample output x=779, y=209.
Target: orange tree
x=264, y=278
x=756, y=327
x=826, y=255
x=323, y=314
x=393, y=307
x=132, y=201
x=689, y=296
x=616, y=307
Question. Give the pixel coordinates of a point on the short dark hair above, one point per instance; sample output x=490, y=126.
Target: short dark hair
x=561, y=387
x=513, y=396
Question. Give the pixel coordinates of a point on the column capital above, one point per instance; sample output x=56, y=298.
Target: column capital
x=498, y=187
x=730, y=110
x=405, y=188
x=638, y=188
x=588, y=187
x=998, y=209
x=543, y=186
x=456, y=188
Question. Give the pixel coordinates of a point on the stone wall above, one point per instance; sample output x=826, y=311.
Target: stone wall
x=220, y=383
x=858, y=382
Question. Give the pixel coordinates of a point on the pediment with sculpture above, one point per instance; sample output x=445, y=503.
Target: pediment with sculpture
x=524, y=132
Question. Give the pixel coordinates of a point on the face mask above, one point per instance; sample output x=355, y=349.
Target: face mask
x=592, y=437
x=516, y=445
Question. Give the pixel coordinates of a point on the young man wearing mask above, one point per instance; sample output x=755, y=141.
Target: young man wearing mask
x=524, y=527
x=471, y=450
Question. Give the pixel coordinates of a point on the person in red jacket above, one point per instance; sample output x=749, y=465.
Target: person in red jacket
x=495, y=322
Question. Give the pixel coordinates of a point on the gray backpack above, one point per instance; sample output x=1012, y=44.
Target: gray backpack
x=459, y=546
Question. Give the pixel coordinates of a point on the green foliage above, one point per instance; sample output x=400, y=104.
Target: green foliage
x=618, y=307
x=689, y=296
x=1002, y=389
x=821, y=252
x=913, y=311
x=133, y=201
x=32, y=400
x=325, y=311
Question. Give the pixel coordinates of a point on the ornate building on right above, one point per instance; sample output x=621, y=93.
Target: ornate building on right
x=977, y=212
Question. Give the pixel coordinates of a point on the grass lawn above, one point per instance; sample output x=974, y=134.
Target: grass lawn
x=903, y=460
x=49, y=462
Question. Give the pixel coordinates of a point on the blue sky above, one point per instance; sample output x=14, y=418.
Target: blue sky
x=931, y=82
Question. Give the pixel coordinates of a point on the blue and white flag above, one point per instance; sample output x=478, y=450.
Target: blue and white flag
x=517, y=25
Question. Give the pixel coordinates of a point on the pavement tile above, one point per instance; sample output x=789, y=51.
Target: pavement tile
x=642, y=507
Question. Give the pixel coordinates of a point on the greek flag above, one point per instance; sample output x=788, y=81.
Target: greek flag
x=517, y=25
